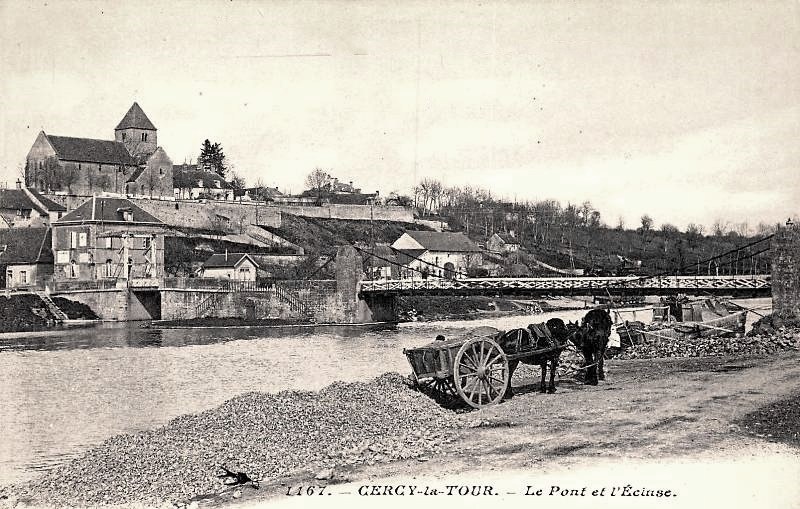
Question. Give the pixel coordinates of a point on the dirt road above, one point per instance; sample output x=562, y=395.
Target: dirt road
x=665, y=424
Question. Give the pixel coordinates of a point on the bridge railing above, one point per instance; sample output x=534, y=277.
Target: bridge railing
x=569, y=283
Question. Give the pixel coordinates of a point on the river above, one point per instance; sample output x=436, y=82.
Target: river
x=64, y=391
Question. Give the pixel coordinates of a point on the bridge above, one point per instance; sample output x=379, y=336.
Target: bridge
x=735, y=285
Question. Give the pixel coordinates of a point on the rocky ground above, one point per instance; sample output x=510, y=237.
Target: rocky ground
x=267, y=436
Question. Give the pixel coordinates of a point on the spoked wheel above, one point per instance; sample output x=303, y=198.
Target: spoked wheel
x=441, y=386
x=481, y=372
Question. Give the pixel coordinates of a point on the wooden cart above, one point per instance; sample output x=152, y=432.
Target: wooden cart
x=473, y=367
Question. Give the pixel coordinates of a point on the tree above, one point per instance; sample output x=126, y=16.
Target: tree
x=647, y=223
x=318, y=182
x=620, y=223
x=237, y=181
x=212, y=158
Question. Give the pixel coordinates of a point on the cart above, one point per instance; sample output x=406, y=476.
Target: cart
x=473, y=367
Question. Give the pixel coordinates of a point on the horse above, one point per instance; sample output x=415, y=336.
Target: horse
x=551, y=334
x=592, y=339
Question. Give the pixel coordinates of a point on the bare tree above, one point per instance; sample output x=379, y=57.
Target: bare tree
x=719, y=228
x=647, y=223
x=319, y=182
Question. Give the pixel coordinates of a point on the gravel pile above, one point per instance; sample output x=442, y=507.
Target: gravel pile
x=265, y=435
x=759, y=344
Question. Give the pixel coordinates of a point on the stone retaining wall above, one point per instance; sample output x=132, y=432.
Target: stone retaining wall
x=785, y=247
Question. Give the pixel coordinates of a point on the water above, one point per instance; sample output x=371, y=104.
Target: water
x=62, y=392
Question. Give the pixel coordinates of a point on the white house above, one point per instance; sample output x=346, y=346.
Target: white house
x=238, y=266
x=437, y=254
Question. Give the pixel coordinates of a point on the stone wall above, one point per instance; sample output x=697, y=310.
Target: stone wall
x=785, y=247
x=358, y=212
x=228, y=216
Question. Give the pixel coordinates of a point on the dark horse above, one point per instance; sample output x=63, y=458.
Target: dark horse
x=551, y=335
x=592, y=339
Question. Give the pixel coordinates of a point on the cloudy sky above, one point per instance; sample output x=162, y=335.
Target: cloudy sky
x=687, y=111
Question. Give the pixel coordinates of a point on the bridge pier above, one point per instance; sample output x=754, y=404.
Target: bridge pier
x=354, y=309
x=785, y=250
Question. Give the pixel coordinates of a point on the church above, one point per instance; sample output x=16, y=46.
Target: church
x=132, y=163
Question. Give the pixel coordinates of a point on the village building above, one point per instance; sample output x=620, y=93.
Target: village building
x=437, y=254
x=132, y=163
x=26, y=257
x=26, y=208
x=108, y=239
x=236, y=266
x=502, y=243
x=191, y=183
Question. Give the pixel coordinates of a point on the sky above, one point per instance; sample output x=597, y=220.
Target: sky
x=686, y=111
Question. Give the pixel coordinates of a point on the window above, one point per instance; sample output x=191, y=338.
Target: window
x=23, y=277
x=82, y=239
x=73, y=239
x=62, y=257
x=73, y=269
x=105, y=242
x=123, y=136
x=9, y=277
x=146, y=243
x=161, y=171
x=80, y=167
x=144, y=136
x=109, y=268
x=99, y=167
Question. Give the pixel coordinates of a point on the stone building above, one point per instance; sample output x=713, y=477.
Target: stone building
x=108, y=239
x=438, y=254
x=502, y=243
x=26, y=257
x=132, y=163
x=191, y=182
x=237, y=266
x=26, y=208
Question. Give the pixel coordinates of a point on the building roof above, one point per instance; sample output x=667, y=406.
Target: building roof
x=443, y=241
x=226, y=260
x=107, y=210
x=25, y=245
x=507, y=238
x=17, y=199
x=47, y=202
x=135, y=118
x=186, y=176
x=90, y=151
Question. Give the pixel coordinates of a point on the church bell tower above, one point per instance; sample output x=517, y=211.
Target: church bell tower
x=137, y=132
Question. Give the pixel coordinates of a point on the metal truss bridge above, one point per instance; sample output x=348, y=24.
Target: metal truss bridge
x=734, y=285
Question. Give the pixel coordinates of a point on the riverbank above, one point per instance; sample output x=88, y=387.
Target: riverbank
x=443, y=308
x=688, y=408
x=27, y=312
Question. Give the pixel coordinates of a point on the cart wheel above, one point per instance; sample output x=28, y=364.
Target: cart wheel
x=441, y=386
x=481, y=372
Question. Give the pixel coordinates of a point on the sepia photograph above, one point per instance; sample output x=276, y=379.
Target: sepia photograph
x=430, y=254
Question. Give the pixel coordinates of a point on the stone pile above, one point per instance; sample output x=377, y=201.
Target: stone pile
x=266, y=436
x=758, y=344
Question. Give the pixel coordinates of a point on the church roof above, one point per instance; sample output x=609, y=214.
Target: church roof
x=89, y=150
x=135, y=118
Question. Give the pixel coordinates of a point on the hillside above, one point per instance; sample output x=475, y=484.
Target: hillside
x=323, y=236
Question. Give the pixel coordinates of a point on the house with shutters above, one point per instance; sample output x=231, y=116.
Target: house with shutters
x=108, y=239
x=132, y=163
x=436, y=254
